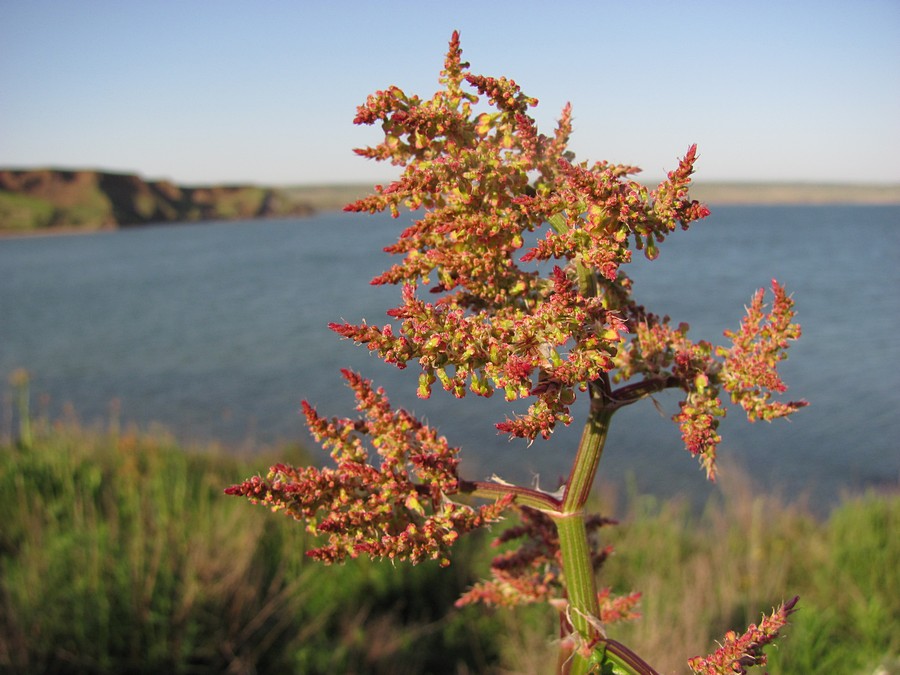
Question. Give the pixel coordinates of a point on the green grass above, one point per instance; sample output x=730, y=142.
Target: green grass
x=851, y=617
x=238, y=203
x=327, y=197
x=702, y=575
x=120, y=553
x=19, y=213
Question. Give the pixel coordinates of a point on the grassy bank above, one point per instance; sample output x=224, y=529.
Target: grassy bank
x=119, y=553
x=703, y=575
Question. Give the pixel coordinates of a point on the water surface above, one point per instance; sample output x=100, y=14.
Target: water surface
x=218, y=331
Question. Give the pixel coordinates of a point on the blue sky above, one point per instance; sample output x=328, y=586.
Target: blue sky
x=265, y=91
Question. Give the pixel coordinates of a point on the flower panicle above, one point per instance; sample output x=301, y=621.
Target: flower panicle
x=749, y=372
x=604, y=212
x=400, y=509
x=615, y=608
x=470, y=352
x=664, y=354
x=503, y=93
x=455, y=68
x=737, y=653
x=540, y=321
x=484, y=181
x=671, y=202
x=532, y=572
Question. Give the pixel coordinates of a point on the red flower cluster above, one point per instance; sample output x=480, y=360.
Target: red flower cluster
x=541, y=322
x=665, y=358
x=400, y=509
x=602, y=213
x=533, y=571
x=749, y=373
x=740, y=652
x=485, y=181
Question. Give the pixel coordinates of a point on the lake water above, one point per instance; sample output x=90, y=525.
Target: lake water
x=218, y=331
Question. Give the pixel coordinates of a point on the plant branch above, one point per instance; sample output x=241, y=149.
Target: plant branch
x=632, y=393
x=624, y=660
x=542, y=501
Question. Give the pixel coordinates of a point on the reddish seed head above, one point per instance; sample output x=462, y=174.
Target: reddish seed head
x=479, y=186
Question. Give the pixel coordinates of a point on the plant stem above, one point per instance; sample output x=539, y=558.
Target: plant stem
x=583, y=608
x=587, y=460
x=583, y=612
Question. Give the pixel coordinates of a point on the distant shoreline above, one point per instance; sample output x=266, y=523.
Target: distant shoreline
x=795, y=194
x=325, y=198
x=332, y=197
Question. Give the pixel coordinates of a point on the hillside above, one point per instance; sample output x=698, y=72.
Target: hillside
x=51, y=199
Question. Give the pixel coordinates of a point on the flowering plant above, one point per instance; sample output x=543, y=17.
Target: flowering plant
x=545, y=323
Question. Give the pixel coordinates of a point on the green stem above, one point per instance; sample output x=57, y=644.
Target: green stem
x=583, y=611
x=587, y=460
x=581, y=587
x=583, y=608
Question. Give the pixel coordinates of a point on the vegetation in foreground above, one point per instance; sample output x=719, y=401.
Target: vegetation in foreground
x=119, y=553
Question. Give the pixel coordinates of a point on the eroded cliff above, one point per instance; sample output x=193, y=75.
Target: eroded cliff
x=54, y=198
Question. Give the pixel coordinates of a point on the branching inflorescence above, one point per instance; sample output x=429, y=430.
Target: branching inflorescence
x=481, y=311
